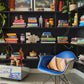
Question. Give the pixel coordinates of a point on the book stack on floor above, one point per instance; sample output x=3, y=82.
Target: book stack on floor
x=81, y=21
x=81, y=58
x=47, y=38
x=62, y=23
x=62, y=39
x=12, y=38
x=32, y=22
x=77, y=40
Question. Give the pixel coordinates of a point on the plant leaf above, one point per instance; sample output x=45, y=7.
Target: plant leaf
x=69, y=12
x=4, y=22
x=4, y=16
x=0, y=31
x=2, y=8
x=65, y=11
x=65, y=7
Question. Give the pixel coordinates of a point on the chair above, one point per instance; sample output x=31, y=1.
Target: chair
x=44, y=61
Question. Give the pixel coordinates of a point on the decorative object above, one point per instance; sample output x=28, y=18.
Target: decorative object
x=81, y=21
x=75, y=20
x=73, y=5
x=18, y=23
x=40, y=21
x=43, y=5
x=51, y=22
x=22, y=38
x=61, y=4
x=21, y=55
x=31, y=38
x=33, y=53
x=23, y=5
x=47, y=38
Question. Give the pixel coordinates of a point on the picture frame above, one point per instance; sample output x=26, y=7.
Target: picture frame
x=23, y=5
x=42, y=5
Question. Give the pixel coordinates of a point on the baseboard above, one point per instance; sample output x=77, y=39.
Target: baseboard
x=77, y=72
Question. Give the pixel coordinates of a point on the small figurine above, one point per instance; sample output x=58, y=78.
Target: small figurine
x=21, y=54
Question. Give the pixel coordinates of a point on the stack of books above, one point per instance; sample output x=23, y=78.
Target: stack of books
x=2, y=40
x=77, y=40
x=81, y=21
x=32, y=22
x=15, y=55
x=62, y=39
x=81, y=58
x=18, y=23
x=47, y=38
x=62, y=23
x=3, y=56
x=12, y=38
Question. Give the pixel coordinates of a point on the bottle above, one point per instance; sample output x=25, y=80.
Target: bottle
x=22, y=38
x=40, y=21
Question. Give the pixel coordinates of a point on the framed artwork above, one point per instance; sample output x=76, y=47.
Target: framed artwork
x=23, y=5
x=43, y=4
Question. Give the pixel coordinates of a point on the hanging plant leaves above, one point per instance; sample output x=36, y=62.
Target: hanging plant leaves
x=4, y=22
x=4, y=16
x=65, y=7
x=69, y=13
x=65, y=11
x=0, y=31
x=2, y=8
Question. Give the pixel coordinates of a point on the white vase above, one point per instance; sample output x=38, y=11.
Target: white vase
x=72, y=7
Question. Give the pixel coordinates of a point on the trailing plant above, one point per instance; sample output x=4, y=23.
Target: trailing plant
x=3, y=18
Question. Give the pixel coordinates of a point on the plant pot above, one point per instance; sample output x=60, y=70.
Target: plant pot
x=72, y=7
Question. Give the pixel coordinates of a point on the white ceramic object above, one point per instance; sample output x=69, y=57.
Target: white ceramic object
x=72, y=7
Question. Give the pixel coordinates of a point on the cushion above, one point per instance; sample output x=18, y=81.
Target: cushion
x=52, y=64
x=58, y=64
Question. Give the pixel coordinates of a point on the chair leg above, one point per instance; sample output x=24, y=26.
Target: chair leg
x=64, y=79
x=55, y=79
x=49, y=77
x=67, y=82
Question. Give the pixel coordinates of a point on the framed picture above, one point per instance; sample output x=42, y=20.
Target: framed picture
x=42, y=5
x=23, y=5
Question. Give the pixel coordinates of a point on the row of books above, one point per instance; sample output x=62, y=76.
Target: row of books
x=12, y=38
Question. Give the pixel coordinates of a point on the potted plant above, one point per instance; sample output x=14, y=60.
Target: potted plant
x=2, y=19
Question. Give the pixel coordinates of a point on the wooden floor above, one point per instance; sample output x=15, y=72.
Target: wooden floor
x=39, y=78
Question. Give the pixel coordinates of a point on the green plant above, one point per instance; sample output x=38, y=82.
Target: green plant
x=66, y=10
x=2, y=17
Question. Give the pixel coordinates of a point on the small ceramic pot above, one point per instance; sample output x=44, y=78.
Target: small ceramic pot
x=72, y=7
